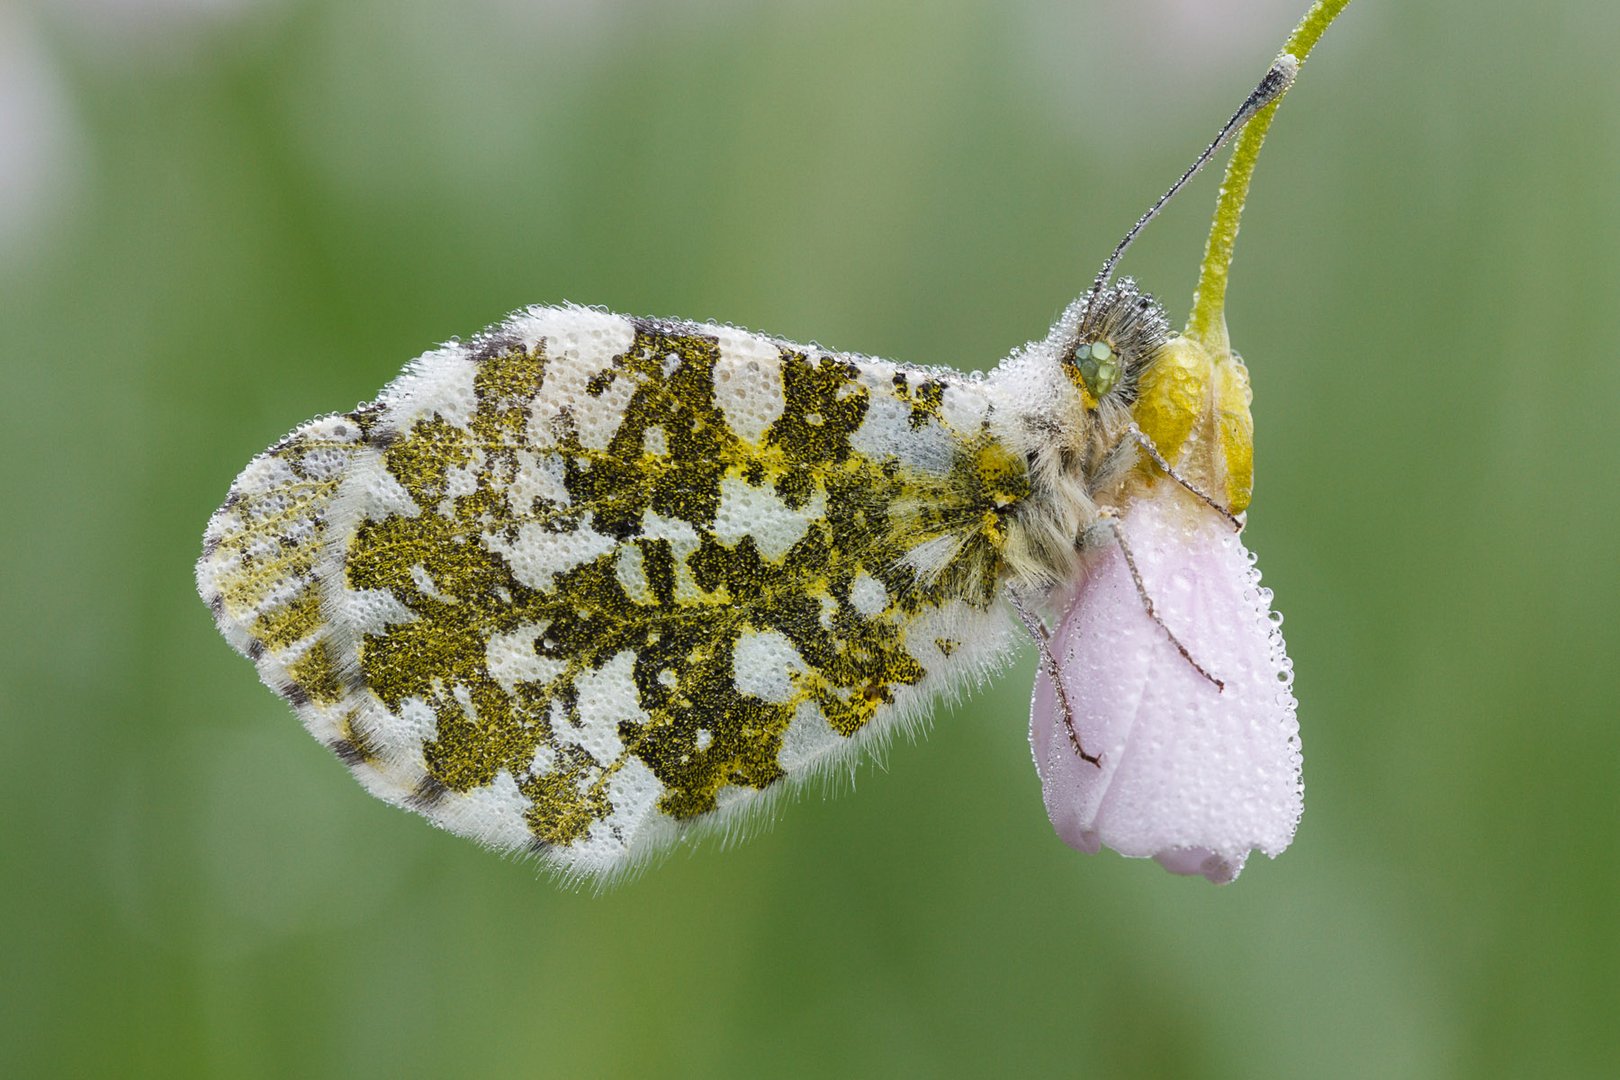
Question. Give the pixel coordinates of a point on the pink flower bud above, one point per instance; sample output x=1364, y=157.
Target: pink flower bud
x=1192, y=775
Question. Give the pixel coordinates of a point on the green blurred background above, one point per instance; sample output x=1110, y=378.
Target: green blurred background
x=221, y=217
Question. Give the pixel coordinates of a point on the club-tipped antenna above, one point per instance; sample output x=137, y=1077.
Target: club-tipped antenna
x=1278, y=78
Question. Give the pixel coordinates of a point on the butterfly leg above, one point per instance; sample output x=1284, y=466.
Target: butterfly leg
x=1147, y=601
x=1054, y=674
x=1141, y=439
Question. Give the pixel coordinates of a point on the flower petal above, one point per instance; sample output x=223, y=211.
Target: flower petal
x=1191, y=775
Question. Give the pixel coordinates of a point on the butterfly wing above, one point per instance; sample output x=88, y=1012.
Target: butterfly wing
x=587, y=581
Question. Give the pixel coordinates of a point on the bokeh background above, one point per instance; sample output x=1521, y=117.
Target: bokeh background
x=221, y=217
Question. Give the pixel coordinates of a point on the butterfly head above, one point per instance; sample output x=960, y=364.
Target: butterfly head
x=1121, y=332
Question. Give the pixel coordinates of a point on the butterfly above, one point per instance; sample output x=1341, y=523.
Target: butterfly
x=586, y=583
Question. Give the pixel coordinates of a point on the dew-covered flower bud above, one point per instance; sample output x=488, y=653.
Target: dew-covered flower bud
x=1193, y=775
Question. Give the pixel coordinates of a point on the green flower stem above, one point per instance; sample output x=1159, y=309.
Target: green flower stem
x=1207, y=322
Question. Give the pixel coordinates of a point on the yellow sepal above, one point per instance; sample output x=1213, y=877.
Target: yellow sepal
x=1193, y=403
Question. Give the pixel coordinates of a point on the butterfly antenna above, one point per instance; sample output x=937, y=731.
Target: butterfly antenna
x=1278, y=78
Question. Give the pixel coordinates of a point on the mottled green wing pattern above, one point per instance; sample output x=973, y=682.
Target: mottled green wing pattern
x=588, y=580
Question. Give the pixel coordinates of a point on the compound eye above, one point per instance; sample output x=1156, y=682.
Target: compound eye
x=1099, y=367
